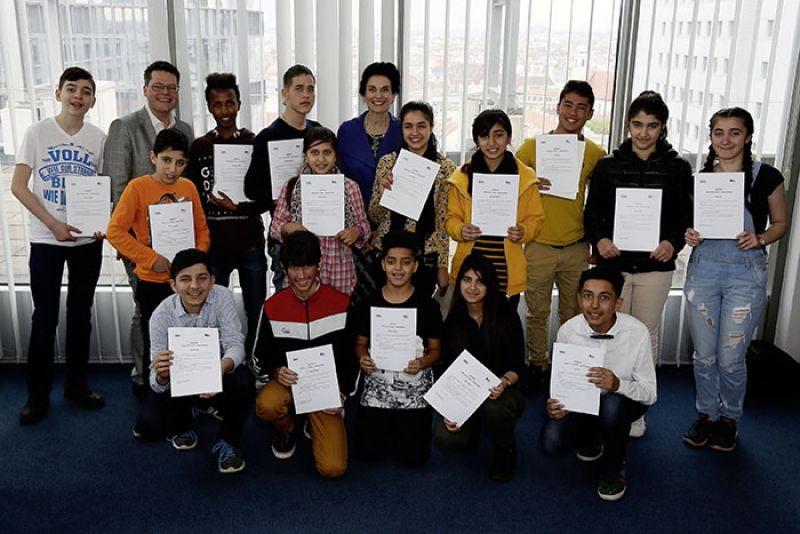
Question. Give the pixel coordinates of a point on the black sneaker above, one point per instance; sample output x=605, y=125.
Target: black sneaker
x=723, y=438
x=229, y=458
x=590, y=453
x=34, y=411
x=503, y=465
x=612, y=485
x=699, y=432
x=534, y=379
x=283, y=446
x=84, y=397
x=184, y=441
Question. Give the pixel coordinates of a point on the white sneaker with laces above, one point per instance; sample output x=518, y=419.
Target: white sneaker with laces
x=638, y=428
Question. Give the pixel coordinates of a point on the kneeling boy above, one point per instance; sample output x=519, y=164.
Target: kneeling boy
x=307, y=314
x=627, y=381
x=199, y=303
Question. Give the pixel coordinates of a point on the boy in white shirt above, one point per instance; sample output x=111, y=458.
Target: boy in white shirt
x=51, y=150
x=627, y=380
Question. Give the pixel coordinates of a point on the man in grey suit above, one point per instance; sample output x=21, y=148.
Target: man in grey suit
x=127, y=156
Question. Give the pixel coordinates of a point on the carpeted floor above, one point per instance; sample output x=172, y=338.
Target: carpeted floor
x=81, y=471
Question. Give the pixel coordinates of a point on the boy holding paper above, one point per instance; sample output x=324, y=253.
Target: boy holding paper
x=197, y=303
x=560, y=252
x=298, y=94
x=305, y=315
x=164, y=186
x=54, y=148
x=393, y=417
x=237, y=233
x=627, y=381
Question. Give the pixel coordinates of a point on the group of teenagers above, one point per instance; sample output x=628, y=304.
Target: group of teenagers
x=325, y=286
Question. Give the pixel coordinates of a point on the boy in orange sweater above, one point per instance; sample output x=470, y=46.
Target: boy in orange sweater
x=164, y=186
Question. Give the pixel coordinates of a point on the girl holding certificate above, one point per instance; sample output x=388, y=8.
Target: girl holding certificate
x=491, y=132
x=481, y=322
x=645, y=161
x=336, y=266
x=416, y=119
x=726, y=283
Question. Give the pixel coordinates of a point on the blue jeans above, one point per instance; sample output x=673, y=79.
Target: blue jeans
x=726, y=291
x=610, y=427
x=47, y=270
x=252, y=267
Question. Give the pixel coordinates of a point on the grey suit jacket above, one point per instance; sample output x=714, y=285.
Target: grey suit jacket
x=127, y=151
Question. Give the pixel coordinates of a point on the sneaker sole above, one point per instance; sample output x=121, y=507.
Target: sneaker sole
x=283, y=455
x=691, y=443
x=183, y=447
x=719, y=448
x=584, y=458
x=612, y=498
x=229, y=470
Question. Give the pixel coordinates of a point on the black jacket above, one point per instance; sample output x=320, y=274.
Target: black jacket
x=664, y=170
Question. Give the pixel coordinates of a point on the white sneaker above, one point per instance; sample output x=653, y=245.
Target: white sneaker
x=638, y=428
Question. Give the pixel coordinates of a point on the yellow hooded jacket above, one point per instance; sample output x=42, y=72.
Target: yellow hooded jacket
x=530, y=216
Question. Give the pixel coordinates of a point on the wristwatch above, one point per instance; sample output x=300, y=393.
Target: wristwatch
x=761, y=241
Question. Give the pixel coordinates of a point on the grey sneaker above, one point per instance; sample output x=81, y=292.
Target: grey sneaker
x=230, y=459
x=185, y=441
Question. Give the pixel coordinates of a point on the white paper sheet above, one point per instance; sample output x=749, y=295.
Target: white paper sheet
x=285, y=161
x=568, y=381
x=559, y=158
x=393, y=337
x=230, y=165
x=637, y=219
x=494, y=202
x=317, y=387
x=413, y=179
x=88, y=203
x=196, y=361
x=719, y=204
x=171, y=228
x=461, y=389
x=322, y=197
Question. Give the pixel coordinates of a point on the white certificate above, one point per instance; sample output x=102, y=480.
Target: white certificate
x=285, y=161
x=230, y=165
x=171, y=228
x=88, y=203
x=568, y=381
x=317, y=387
x=559, y=159
x=413, y=179
x=494, y=202
x=195, y=364
x=322, y=197
x=719, y=204
x=461, y=389
x=393, y=337
x=637, y=219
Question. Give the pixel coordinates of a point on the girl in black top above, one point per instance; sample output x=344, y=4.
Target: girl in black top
x=482, y=322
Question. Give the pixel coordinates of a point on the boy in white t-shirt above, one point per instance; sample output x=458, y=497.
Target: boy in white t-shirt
x=52, y=149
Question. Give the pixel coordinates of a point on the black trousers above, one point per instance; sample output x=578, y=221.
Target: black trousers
x=164, y=416
x=149, y=295
x=403, y=434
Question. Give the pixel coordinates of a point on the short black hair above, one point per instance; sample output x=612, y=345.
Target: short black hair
x=579, y=87
x=220, y=81
x=187, y=258
x=171, y=139
x=400, y=239
x=300, y=249
x=165, y=66
x=294, y=71
x=610, y=274
x=380, y=68
x=486, y=120
x=73, y=74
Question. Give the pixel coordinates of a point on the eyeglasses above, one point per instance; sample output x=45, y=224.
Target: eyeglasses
x=161, y=88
